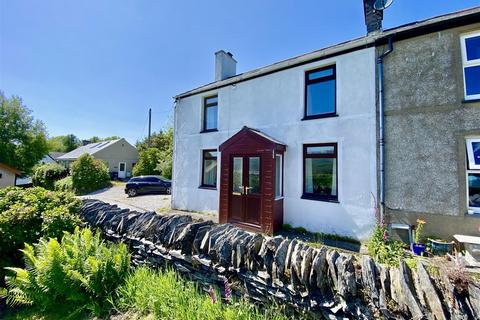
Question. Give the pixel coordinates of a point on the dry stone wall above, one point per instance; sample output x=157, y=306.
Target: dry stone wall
x=318, y=282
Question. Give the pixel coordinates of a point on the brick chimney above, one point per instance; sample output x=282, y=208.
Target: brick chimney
x=225, y=65
x=373, y=18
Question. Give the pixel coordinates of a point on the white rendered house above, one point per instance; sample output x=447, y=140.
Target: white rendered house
x=293, y=142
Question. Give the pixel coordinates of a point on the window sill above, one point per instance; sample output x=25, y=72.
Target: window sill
x=209, y=130
x=279, y=198
x=207, y=187
x=470, y=100
x=320, y=116
x=473, y=213
x=319, y=198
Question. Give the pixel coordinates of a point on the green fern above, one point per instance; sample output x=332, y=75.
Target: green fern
x=82, y=272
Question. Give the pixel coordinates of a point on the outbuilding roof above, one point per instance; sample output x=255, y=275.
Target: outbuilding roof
x=90, y=148
x=409, y=30
x=7, y=167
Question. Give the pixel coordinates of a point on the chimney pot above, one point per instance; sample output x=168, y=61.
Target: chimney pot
x=225, y=65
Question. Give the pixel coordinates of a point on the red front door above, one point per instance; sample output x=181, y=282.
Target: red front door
x=245, y=192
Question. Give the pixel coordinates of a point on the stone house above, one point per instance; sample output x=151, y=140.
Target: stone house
x=432, y=124
x=119, y=155
x=312, y=140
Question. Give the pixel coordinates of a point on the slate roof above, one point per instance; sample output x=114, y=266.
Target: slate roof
x=55, y=155
x=90, y=148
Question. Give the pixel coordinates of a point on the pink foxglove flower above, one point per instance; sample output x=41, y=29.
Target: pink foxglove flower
x=228, y=291
x=385, y=235
x=212, y=295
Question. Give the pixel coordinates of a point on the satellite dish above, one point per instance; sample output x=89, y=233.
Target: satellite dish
x=381, y=5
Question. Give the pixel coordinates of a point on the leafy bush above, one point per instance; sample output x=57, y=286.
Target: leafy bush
x=383, y=249
x=64, y=184
x=28, y=214
x=148, y=163
x=167, y=297
x=89, y=174
x=45, y=175
x=82, y=272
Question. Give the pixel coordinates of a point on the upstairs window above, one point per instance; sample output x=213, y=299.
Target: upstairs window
x=320, y=172
x=210, y=113
x=471, y=65
x=473, y=174
x=320, y=93
x=209, y=169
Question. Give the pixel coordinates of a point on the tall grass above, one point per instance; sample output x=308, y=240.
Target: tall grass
x=165, y=296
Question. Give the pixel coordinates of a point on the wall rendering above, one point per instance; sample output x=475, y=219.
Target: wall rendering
x=274, y=104
x=427, y=122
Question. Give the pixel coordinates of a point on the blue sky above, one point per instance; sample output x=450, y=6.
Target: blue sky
x=95, y=67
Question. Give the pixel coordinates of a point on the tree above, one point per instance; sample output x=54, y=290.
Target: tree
x=97, y=139
x=63, y=143
x=23, y=140
x=89, y=174
x=163, y=142
x=148, y=162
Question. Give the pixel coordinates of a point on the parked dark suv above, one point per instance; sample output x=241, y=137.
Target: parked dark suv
x=147, y=184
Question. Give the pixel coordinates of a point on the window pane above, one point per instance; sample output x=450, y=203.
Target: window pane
x=211, y=118
x=321, y=150
x=321, y=176
x=254, y=175
x=473, y=48
x=321, y=98
x=474, y=189
x=476, y=152
x=210, y=154
x=211, y=100
x=472, y=80
x=278, y=176
x=237, y=185
x=210, y=172
x=320, y=74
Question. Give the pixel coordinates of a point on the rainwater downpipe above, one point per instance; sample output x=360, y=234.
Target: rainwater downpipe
x=381, y=122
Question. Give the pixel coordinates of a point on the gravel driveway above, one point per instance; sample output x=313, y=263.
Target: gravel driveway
x=116, y=195
x=148, y=202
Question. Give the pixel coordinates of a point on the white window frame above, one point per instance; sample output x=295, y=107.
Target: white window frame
x=471, y=168
x=278, y=197
x=466, y=63
x=470, y=155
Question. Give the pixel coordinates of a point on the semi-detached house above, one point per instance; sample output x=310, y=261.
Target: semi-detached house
x=294, y=142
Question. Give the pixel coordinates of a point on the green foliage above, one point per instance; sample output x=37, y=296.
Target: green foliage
x=287, y=227
x=23, y=141
x=148, y=163
x=163, y=142
x=417, y=234
x=28, y=214
x=89, y=174
x=383, y=249
x=97, y=139
x=81, y=271
x=64, y=143
x=45, y=175
x=64, y=184
x=166, y=296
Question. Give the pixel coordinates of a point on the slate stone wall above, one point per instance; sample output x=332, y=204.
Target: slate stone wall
x=320, y=282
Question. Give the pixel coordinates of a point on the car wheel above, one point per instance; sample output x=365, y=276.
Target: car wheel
x=132, y=192
x=169, y=190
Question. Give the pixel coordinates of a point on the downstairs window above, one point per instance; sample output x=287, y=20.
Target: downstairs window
x=473, y=174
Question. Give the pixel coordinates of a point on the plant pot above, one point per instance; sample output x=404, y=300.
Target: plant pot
x=418, y=248
x=440, y=247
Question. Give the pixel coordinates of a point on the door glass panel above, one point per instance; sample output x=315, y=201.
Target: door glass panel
x=122, y=166
x=254, y=175
x=237, y=184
